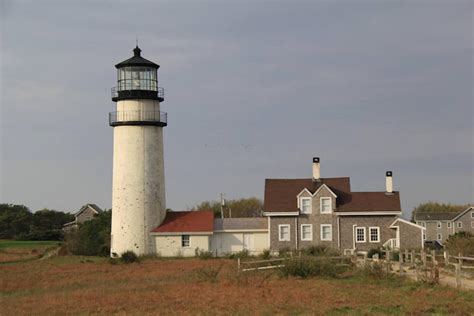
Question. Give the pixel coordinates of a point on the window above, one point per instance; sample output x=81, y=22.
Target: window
x=326, y=205
x=374, y=233
x=439, y=237
x=459, y=224
x=424, y=236
x=284, y=232
x=306, y=232
x=305, y=204
x=472, y=224
x=326, y=232
x=472, y=214
x=185, y=241
x=449, y=224
x=360, y=234
x=423, y=224
x=439, y=225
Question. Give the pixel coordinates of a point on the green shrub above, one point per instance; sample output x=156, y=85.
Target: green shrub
x=374, y=251
x=462, y=242
x=91, y=238
x=284, y=252
x=241, y=254
x=203, y=254
x=319, y=251
x=309, y=267
x=129, y=257
x=266, y=254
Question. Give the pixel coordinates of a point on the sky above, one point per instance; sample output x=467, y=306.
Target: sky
x=253, y=90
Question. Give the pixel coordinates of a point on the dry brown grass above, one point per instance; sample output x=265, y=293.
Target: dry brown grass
x=74, y=285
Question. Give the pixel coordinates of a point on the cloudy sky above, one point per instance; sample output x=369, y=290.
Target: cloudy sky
x=253, y=90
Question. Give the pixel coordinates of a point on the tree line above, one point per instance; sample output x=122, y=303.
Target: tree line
x=18, y=222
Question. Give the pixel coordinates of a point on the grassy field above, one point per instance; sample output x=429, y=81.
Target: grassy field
x=13, y=251
x=82, y=285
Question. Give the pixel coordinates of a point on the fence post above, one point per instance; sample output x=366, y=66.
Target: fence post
x=365, y=258
x=446, y=259
x=400, y=263
x=423, y=258
x=406, y=256
x=460, y=260
x=412, y=258
x=458, y=275
x=238, y=264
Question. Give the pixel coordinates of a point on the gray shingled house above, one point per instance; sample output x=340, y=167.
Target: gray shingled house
x=325, y=211
x=439, y=226
x=86, y=212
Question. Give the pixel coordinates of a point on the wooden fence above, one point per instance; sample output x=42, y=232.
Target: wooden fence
x=256, y=265
x=425, y=261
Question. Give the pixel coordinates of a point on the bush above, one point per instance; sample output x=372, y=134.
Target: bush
x=319, y=251
x=129, y=257
x=283, y=252
x=462, y=242
x=241, y=254
x=309, y=267
x=203, y=254
x=266, y=254
x=91, y=238
x=374, y=251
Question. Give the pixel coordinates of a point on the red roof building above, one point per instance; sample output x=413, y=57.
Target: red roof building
x=187, y=222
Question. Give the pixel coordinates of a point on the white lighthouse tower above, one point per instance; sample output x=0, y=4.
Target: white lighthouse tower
x=138, y=189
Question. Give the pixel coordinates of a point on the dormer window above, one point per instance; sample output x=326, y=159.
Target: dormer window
x=326, y=205
x=305, y=205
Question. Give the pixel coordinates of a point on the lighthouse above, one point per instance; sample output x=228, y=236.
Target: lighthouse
x=138, y=185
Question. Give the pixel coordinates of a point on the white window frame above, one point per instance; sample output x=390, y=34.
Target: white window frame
x=378, y=234
x=424, y=236
x=365, y=237
x=279, y=232
x=310, y=205
x=321, y=205
x=423, y=224
x=439, y=225
x=449, y=224
x=472, y=214
x=439, y=236
x=310, y=238
x=182, y=241
x=459, y=224
x=322, y=235
x=472, y=224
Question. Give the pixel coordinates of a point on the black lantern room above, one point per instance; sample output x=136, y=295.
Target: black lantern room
x=137, y=78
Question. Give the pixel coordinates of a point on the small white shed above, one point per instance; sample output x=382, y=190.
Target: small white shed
x=232, y=235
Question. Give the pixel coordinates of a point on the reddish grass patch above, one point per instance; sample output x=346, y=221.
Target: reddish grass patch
x=65, y=286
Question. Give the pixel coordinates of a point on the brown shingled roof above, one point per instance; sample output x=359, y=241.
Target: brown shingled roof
x=180, y=222
x=280, y=196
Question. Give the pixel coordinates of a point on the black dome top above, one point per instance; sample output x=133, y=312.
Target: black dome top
x=137, y=60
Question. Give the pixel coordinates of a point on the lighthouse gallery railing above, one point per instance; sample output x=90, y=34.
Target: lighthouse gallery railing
x=138, y=117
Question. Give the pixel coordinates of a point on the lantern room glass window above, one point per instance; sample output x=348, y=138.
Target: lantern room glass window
x=137, y=78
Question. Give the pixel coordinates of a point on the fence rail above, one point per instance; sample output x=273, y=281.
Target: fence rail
x=256, y=265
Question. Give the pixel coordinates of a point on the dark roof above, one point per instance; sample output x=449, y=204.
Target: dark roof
x=280, y=196
x=137, y=60
x=240, y=223
x=181, y=222
x=92, y=206
x=370, y=201
x=439, y=216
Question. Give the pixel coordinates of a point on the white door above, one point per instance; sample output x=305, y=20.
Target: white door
x=248, y=241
